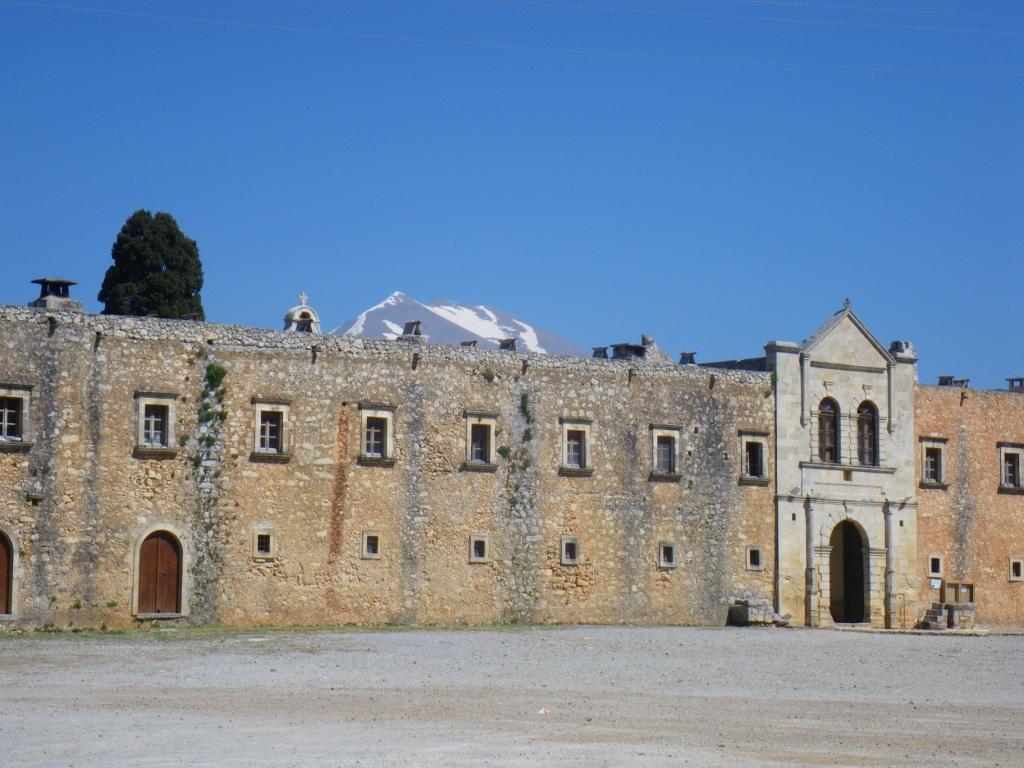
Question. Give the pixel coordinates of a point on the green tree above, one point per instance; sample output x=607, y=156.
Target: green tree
x=156, y=270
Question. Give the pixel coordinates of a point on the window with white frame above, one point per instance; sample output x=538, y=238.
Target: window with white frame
x=667, y=555
x=155, y=419
x=935, y=565
x=576, y=446
x=271, y=429
x=753, y=451
x=1010, y=466
x=377, y=444
x=481, y=428
x=479, y=548
x=1017, y=569
x=264, y=543
x=755, y=558
x=933, y=461
x=665, y=450
x=370, y=549
x=14, y=410
x=570, y=550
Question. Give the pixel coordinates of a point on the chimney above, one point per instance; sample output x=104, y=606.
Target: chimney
x=1016, y=384
x=601, y=353
x=55, y=293
x=945, y=380
x=687, y=358
x=507, y=344
x=413, y=333
x=470, y=343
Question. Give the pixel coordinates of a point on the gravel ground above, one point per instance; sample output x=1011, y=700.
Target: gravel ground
x=580, y=696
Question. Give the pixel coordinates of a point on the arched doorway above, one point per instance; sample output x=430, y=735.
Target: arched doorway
x=160, y=574
x=846, y=574
x=6, y=574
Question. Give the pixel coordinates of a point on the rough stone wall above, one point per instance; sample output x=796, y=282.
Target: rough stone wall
x=95, y=500
x=974, y=526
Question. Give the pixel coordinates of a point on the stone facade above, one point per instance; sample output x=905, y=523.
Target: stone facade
x=301, y=479
x=967, y=516
x=80, y=494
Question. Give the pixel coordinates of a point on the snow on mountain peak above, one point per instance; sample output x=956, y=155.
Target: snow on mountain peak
x=448, y=322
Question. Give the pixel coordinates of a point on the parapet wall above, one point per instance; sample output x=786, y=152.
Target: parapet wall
x=77, y=503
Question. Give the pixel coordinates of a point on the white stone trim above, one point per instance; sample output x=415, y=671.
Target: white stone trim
x=563, y=558
x=758, y=438
x=570, y=425
x=168, y=401
x=260, y=407
x=673, y=433
x=473, y=558
x=363, y=552
x=388, y=414
x=25, y=395
x=747, y=560
x=489, y=421
x=264, y=530
x=930, y=442
x=935, y=573
x=662, y=562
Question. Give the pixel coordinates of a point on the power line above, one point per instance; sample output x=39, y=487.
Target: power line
x=518, y=47
x=756, y=19
x=880, y=9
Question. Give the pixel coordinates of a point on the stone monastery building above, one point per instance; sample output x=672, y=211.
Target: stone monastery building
x=168, y=470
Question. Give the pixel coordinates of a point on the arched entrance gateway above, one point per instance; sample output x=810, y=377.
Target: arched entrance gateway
x=160, y=574
x=847, y=581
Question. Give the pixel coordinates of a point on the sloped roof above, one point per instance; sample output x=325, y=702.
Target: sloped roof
x=826, y=328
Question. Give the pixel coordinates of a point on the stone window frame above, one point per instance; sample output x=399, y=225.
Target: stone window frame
x=759, y=437
x=377, y=411
x=261, y=405
x=11, y=534
x=169, y=448
x=569, y=424
x=1011, y=449
x=748, y=559
x=931, y=442
x=664, y=563
x=1019, y=563
x=487, y=419
x=563, y=557
x=23, y=442
x=364, y=552
x=935, y=573
x=479, y=537
x=674, y=432
x=264, y=530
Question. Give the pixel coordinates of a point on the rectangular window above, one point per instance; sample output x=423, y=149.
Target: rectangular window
x=10, y=418
x=755, y=558
x=1016, y=569
x=934, y=566
x=478, y=548
x=570, y=550
x=666, y=454
x=154, y=426
x=932, y=464
x=576, y=448
x=1011, y=470
x=263, y=543
x=666, y=554
x=270, y=437
x=371, y=545
x=753, y=459
x=480, y=443
x=376, y=438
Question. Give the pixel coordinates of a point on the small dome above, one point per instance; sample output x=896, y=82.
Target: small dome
x=302, y=318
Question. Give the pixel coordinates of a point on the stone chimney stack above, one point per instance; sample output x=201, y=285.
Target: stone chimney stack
x=55, y=293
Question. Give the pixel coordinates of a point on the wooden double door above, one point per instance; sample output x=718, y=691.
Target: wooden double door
x=160, y=574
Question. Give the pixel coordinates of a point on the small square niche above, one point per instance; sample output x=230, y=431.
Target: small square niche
x=1017, y=569
x=755, y=558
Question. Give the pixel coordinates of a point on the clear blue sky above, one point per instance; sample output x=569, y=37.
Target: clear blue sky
x=713, y=172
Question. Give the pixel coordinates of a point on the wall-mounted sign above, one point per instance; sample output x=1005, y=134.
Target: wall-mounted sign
x=936, y=583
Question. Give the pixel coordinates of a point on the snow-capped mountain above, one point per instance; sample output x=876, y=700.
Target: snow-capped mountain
x=448, y=322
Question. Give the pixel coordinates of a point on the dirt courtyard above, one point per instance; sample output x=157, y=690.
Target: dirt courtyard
x=579, y=696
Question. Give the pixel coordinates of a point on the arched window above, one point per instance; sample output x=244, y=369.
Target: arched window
x=867, y=434
x=828, y=431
